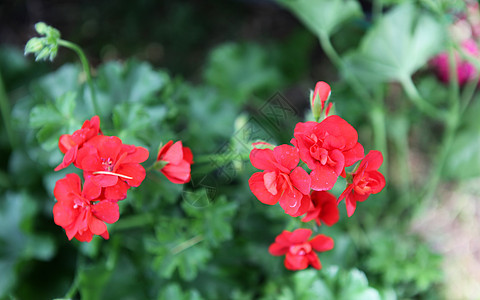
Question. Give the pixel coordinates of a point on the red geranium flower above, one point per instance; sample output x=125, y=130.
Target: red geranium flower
x=366, y=180
x=298, y=250
x=70, y=143
x=327, y=148
x=282, y=180
x=323, y=208
x=112, y=165
x=76, y=212
x=178, y=160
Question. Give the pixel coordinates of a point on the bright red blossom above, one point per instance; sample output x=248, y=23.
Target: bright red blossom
x=178, y=160
x=298, y=250
x=327, y=148
x=323, y=208
x=80, y=212
x=282, y=180
x=112, y=165
x=366, y=180
x=69, y=144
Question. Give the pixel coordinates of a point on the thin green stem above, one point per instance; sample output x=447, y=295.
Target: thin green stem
x=187, y=244
x=86, y=69
x=452, y=121
x=6, y=113
x=339, y=63
x=418, y=100
x=134, y=221
x=73, y=289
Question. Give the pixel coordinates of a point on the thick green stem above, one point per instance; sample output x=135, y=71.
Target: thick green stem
x=86, y=69
x=418, y=100
x=6, y=113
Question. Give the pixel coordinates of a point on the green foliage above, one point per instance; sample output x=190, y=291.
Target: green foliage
x=240, y=70
x=329, y=284
x=54, y=119
x=392, y=52
x=174, y=291
x=324, y=16
x=409, y=264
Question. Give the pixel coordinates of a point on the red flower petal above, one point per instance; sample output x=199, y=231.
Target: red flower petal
x=353, y=155
x=322, y=243
x=277, y=249
x=163, y=150
x=301, y=180
x=96, y=226
x=104, y=180
x=300, y=236
x=257, y=186
x=323, y=178
x=106, y=211
x=138, y=156
x=295, y=262
x=263, y=159
x=287, y=156
x=117, y=192
x=174, y=154
x=179, y=173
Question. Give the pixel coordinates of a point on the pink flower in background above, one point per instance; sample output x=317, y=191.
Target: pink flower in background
x=465, y=70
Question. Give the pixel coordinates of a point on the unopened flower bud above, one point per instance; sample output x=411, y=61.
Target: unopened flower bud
x=319, y=97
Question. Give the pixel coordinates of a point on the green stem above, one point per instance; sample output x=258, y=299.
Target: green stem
x=418, y=100
x=6, y=113
x=134, y=221
x=377, y=9
x=452, y=121
x=338, y=62
x=187, y=244
x=73, y=289
x=86, y=70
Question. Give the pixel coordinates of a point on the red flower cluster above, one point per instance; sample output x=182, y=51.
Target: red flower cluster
x=326, y=148
x=109, y=167
x=298, y=250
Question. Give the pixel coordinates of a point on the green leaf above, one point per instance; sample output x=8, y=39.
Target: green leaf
x=54, y=119
x=174, y=291
x=240, y=70
x=329, y=284
x=178, y=247
x=398, y=45
x=463, y=161
x=92, y=280
x=213, y=219
x=324, y=16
